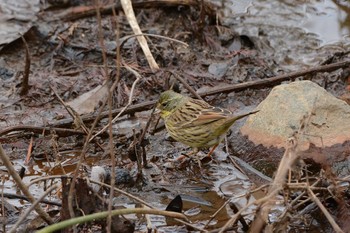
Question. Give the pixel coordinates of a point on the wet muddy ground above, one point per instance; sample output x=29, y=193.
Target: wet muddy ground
x=73, y=52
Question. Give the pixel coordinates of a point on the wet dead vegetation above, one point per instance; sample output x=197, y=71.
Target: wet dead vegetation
x=82, y=149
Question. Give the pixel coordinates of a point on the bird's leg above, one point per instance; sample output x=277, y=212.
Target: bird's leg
x=212, y=150
x=199, y=165
x=188, y=155
x=193, y=154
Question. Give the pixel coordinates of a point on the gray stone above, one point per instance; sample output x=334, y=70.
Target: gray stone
x=218, y=69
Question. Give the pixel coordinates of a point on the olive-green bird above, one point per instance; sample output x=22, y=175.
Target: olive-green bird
x=195, y=122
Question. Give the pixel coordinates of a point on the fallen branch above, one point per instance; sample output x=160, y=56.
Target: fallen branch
x=144, y=106
x=147, y=105
x=263, y=83
x=41, y=130
x=21, y=197
x=88, y=11
x=130, y=15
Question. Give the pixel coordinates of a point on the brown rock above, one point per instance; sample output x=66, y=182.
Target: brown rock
x=324, y=119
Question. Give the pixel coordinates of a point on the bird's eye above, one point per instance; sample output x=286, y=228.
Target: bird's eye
x=164, y=104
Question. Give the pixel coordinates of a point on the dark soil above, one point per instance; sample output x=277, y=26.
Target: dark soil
x=70, y=56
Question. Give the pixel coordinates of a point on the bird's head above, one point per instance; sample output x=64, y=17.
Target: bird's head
x=168, y=102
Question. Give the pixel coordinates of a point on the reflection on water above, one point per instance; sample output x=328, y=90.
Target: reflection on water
x=328, y=19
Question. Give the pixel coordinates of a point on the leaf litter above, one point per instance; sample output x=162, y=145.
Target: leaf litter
x=68, y=55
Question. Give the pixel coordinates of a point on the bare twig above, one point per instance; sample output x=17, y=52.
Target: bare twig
x=6, y=160
x=143, y=134
x=72, y=13
x=263, y=83
x=79, y=123
x=22, y=197
x=129, y=109
x=109, y=104
x=25, y=81
x=27, y=212
x=234, y=218
x=143, y=202
x=217, y=212
x=148, y=221
x=288, y=159
x=292, y=205
x=188, y=87
x=138, y=78
x=126, y=38
x=92, y=217
x=29, y=152
x=325, y=211
x=124, y=193
x=100, y=37
x=130, y=15
x=47, y=178
x=3, y=204
x=40, y=130
x=77, y=119
x=85, y=147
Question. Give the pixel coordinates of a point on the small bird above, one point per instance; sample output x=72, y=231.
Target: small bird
x=194, y=122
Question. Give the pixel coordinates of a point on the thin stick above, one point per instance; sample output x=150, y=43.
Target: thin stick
x=27, y=212
x=142, y=136
x=73, y=14
x=29, y=152
x=92, y=217
x=129, y=109
x=256, y=202
x=110, y=141
x=130, y=15
x=217, y=212
x=188, y=87
x=124, y=39
x=47, y=178
x=11, y=170
x=101, y=37
x=325, y=211
x=22, y=197
x=138, y=78
x=3, y=205
x=123, y=192
x=76, y=117
x=262, y=83
x=25, y=82
x=142, y=202
x=40, y=130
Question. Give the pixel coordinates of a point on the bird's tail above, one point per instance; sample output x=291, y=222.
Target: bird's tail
x=243, y=115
